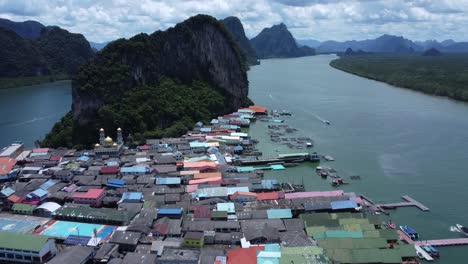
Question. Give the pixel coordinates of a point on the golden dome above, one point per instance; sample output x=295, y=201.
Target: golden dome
x=114, y=145
x=119, y=129
x=101, y=130
x=97, y=145
x=108, y=140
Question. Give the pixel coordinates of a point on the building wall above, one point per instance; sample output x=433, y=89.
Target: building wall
x=20, y=256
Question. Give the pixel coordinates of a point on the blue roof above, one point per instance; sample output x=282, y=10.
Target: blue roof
x=112, y=163
x=170, y=211
x=168, y=180
x=337, y=205
x=132, y=196
x=83, y=158
x=228, y=207
x=238, y=148
x=39, y=193
x=77, y=240
x=7, y=191
x=46, y=185
x=116, y=183
x=279, y=213
x=134, y=169
x=205, y=129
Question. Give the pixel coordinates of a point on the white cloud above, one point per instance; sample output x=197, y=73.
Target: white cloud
x=318, y=19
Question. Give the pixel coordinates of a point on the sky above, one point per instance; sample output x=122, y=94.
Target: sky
x=106, y=20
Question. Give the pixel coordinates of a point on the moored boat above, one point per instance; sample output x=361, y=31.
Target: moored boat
x=410, y=232
x=462, y=229
x=432, y=251
x=391, y=224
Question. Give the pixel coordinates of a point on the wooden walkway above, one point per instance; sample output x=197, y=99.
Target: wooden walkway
x=443, y=242
x=409, y=202
x=404, y=237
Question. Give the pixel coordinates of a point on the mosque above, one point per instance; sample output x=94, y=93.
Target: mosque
x=106, y=146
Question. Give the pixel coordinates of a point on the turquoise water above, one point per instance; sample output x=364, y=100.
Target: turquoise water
x=28, y=113
x=400, y=142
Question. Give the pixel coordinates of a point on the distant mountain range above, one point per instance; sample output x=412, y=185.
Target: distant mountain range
x=98, y=46
x=391, y=44
x=30, y=49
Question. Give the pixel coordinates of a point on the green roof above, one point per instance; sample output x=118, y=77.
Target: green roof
x=308, y=254
x=22, y=241
x=352, y=243
x=219, y=214
x=29, y=208
x=96, y=214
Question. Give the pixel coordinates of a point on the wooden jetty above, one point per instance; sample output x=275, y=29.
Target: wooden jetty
x=423, y=253
x=443, y=242
x=404, y=237
x=409, y=202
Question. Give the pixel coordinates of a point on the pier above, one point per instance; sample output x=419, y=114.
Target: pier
x=443, y=242
x=409, y=202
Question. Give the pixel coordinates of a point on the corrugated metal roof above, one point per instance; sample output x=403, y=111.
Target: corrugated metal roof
x=279, y=213
x=338, y=205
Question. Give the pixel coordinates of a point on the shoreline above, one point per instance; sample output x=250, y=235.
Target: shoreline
x=11, y=83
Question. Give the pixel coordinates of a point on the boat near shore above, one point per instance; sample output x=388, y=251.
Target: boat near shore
x=410, y=232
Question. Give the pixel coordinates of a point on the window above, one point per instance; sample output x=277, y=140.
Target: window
x=10, y=256
x=2, y=255
x=27, y=257
x=18, y=257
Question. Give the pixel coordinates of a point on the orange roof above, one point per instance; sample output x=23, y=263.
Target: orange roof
x=14, y=198
x=257, y=108
x=207, y=175
x=205, y=180
x=199, y=164
x=268, y=196
x=6, y=164
x=90, y=194
x=234, y=195
x=40, y=150
x=243, y=255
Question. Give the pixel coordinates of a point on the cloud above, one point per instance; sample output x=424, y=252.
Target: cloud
x=315, y=19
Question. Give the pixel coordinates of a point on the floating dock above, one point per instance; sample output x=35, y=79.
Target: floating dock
x=404, y=237
x=443, y=242
x=409, y=202
x=423, y=253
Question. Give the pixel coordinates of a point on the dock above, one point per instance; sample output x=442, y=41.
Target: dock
x=409, y=202
x=404, y=237
x=423, y=253
x=443, y=242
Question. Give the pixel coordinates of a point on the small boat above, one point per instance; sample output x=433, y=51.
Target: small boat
x=285, y=113
x=329, y=158
x=314, y=157
x=391, y=224
x=309, y=144
x=462, y=229
x=326, y=122
x=410, y=232
x=432, y=251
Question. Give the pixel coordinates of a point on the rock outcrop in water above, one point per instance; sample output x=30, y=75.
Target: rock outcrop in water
x=278, y=42
x=197, y=58
x=235, y=27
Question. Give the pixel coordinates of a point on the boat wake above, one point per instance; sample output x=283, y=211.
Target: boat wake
x=35, y=119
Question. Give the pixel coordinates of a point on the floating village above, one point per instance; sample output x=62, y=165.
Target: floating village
x=200, y=198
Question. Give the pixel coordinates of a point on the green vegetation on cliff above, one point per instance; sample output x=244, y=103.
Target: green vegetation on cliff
x=445, y=75
x=165, y=110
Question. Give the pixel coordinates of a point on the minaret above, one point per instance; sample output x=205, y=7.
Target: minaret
x=101, y=136
x=119, y=136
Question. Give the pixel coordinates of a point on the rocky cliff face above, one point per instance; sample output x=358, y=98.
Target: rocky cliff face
x=235, y=27
x=278, y=42
x=197, y=49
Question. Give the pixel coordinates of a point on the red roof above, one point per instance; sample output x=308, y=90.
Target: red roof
x=243, y=255
x=55, y=158
x=145, y=147
x=110, y=170
x=268, y=196
x=6, y=164
x=200, y=164
x=40, y=150
x=90, y=194
x=202, y=212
